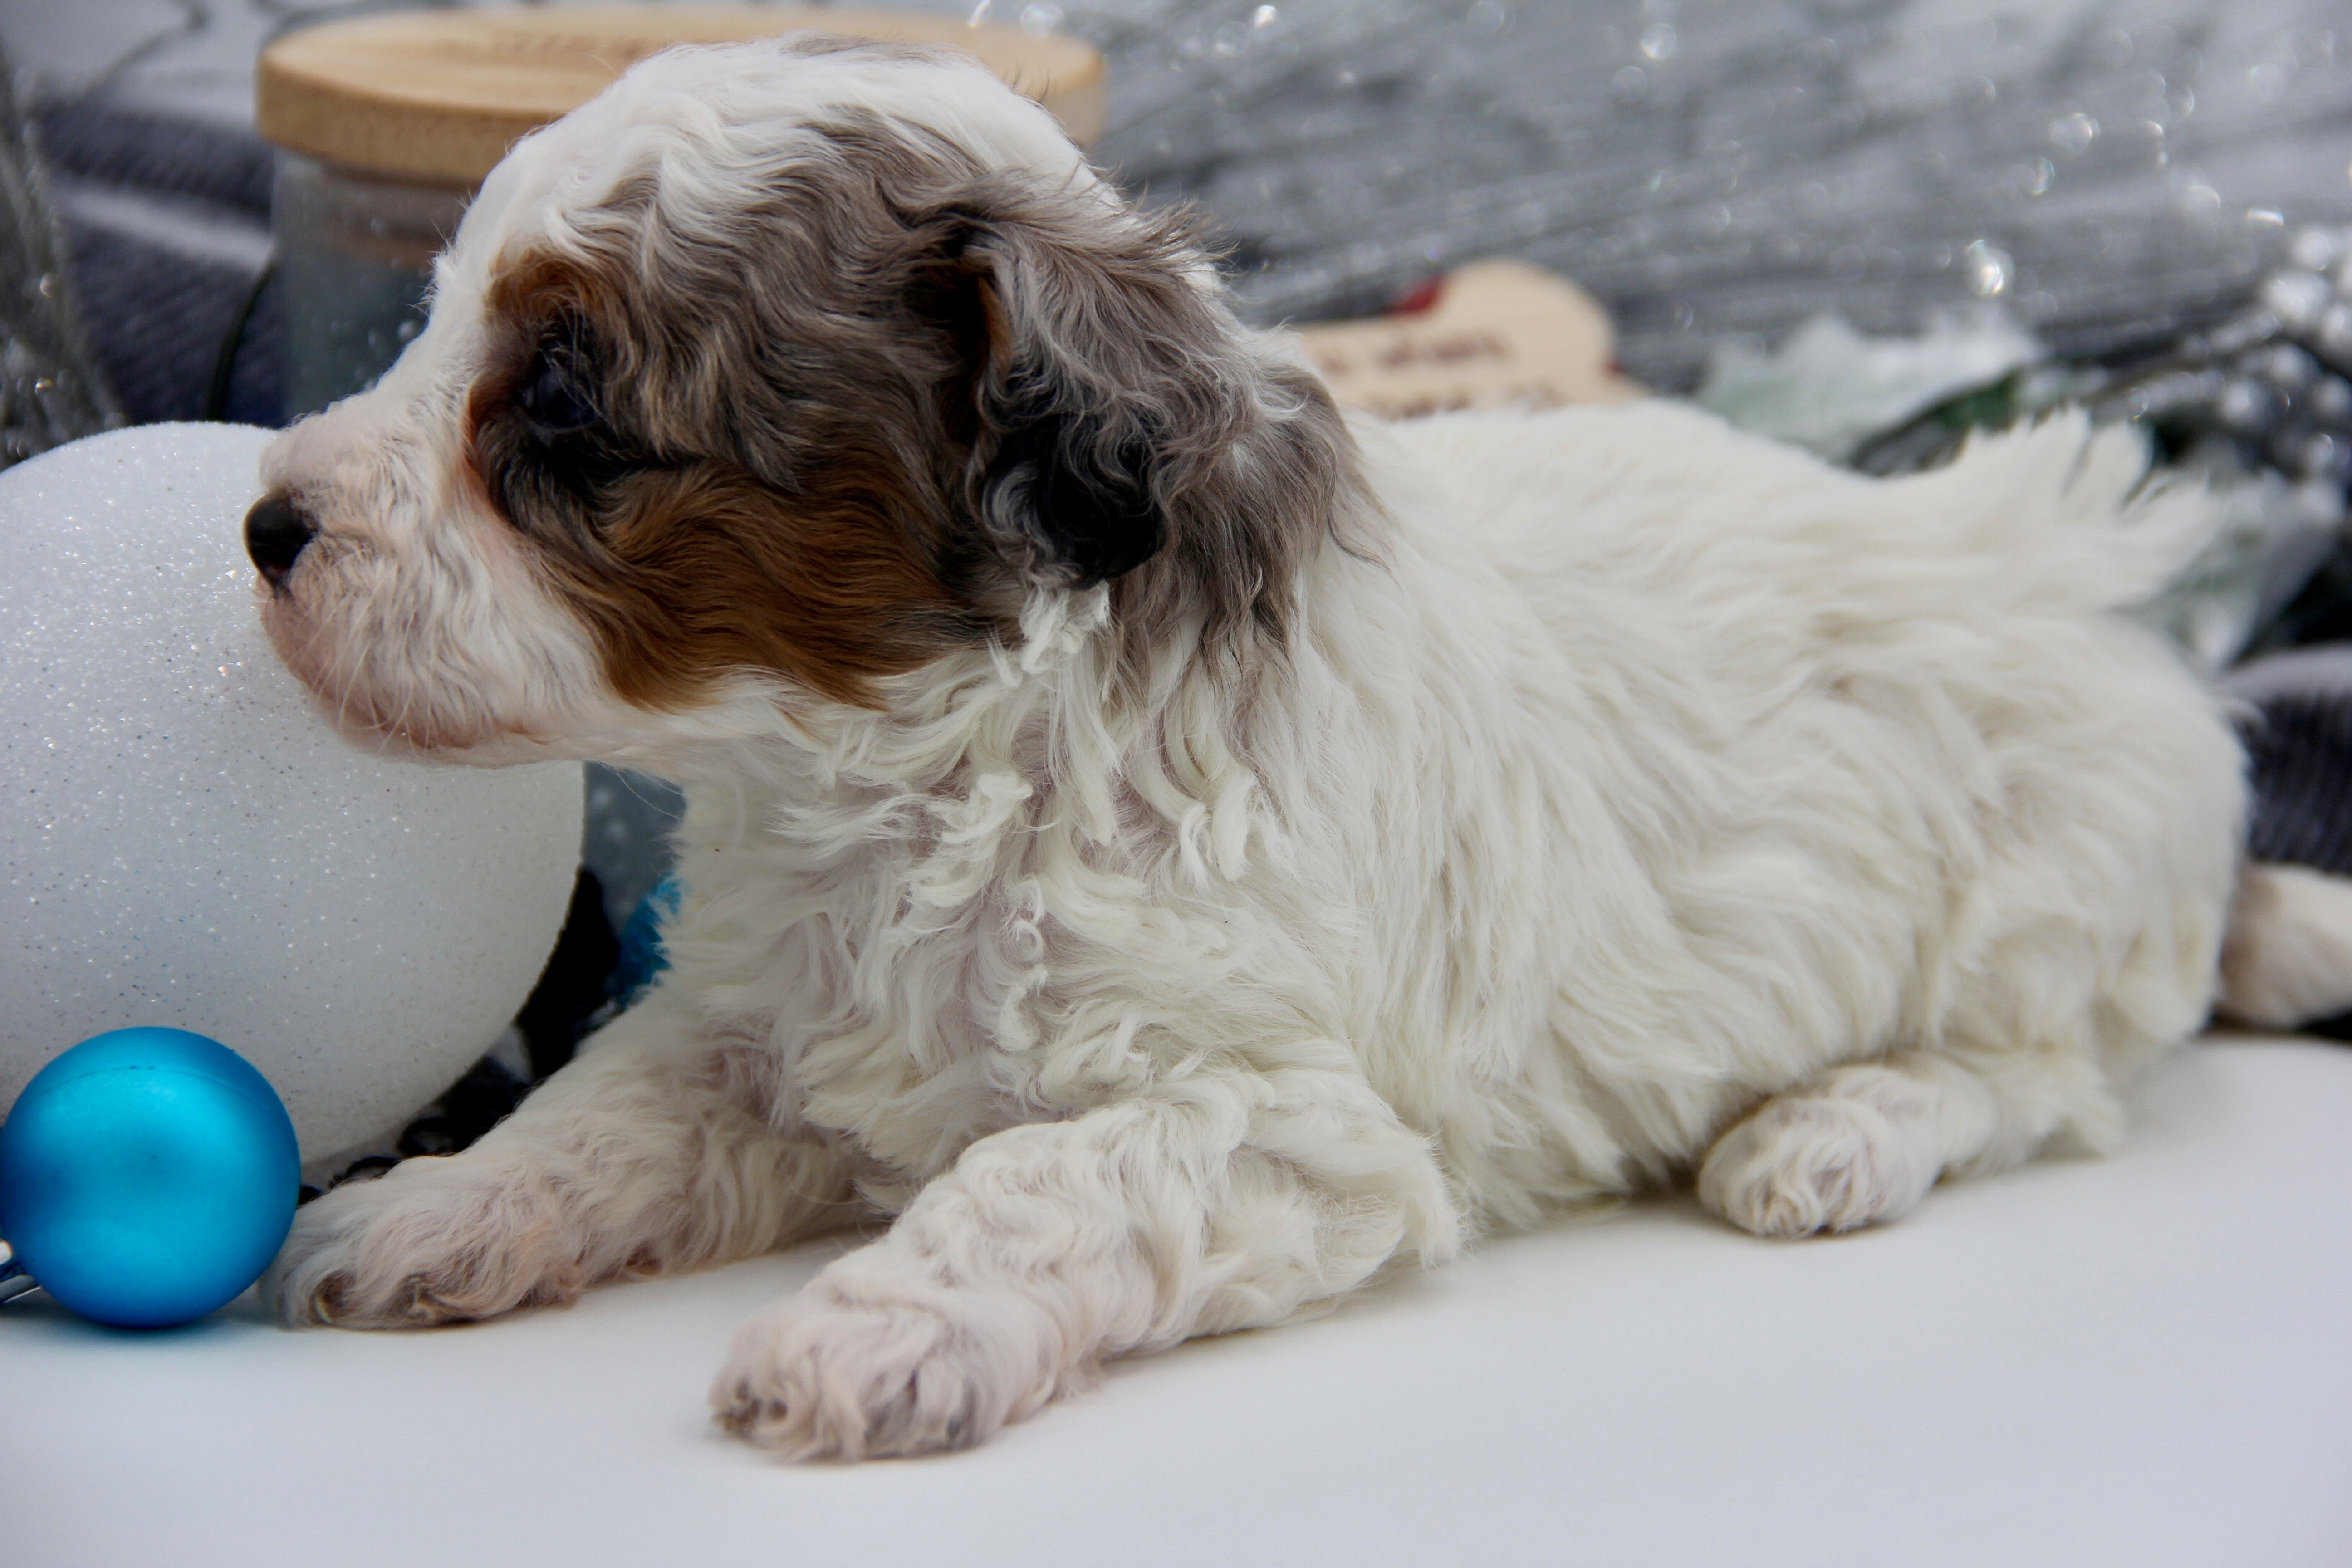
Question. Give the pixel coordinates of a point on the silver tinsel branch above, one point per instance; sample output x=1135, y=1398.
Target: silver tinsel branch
x=1713, y=168
x=51, y=393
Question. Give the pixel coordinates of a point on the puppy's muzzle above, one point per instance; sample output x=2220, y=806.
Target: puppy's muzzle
x=275, y=532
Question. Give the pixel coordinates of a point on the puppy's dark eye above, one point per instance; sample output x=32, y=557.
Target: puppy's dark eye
x=555, y=398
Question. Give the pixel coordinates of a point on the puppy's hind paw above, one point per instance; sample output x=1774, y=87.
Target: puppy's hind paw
x=819, y=1377
x=1800, y=1166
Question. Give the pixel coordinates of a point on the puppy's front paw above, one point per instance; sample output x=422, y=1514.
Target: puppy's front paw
x=1801, y=1165
x=427, y=1242
x=822, y=1376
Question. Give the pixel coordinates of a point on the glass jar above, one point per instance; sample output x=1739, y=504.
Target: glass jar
x=354, y=259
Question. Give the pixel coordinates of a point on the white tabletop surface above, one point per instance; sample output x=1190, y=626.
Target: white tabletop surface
x=2144, y=1361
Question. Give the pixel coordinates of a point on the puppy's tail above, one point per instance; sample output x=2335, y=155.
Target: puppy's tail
x=2287, y=959
x=2076, y=512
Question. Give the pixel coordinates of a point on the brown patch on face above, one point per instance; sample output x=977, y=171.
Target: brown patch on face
x=684, y=560
x=837, y=425
x=720, y=574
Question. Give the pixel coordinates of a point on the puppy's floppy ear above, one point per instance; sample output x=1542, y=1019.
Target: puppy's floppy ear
x=1101, y=376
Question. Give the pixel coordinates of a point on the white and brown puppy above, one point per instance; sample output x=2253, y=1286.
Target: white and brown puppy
x=1174, y=853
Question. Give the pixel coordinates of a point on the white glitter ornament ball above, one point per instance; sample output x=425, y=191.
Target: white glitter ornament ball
x=185, y=841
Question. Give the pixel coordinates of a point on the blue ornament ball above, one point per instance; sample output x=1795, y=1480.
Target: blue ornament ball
x=147, y=1176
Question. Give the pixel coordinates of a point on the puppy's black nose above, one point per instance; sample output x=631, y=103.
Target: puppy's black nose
x=276, y=529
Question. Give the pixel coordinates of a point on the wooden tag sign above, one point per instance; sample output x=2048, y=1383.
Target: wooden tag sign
x=1500, y=334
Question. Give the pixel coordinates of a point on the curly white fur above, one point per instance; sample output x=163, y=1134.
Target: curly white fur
x=1645, y=800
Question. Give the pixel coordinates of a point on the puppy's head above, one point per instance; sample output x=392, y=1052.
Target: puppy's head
x=790, y=368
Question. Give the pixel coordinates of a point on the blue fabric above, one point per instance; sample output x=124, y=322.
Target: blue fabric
x=642, y=953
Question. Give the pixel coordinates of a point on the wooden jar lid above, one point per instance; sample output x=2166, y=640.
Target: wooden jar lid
x=438, y=96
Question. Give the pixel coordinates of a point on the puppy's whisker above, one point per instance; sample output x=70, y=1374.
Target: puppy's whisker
x=386, y=734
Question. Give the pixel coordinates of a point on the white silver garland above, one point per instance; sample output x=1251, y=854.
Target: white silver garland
x=1718, y=167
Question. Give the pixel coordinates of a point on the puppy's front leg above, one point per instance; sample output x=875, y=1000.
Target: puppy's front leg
x=1211, y=1206
x=636, y=1158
